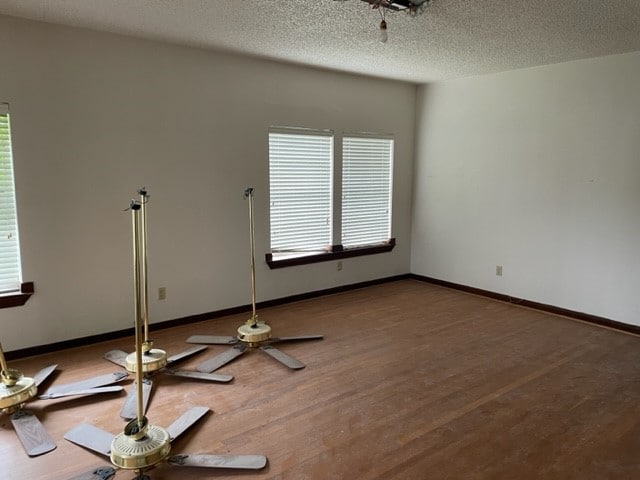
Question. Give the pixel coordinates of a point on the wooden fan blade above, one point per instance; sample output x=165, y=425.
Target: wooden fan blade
x=299, y=338
x=218, y=361
x=130, y=408
x=117, y=356
x=185, y=421
x=89, y=383
x=212, y=339
x=250, y=462
x=213, y=377
x=90, y=437
x=102, y=473
x=75, y=393
x=282, y=357
x=43, y=374
x=187, y=353
x=31, y=433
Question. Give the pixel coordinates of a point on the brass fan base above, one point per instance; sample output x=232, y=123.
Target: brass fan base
x=132, y=454
x=254, y=334
x=14, y=395
x=153, y=360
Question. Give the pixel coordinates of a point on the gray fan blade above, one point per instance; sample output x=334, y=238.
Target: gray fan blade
x=75, y=393
x=99, y=381
x=212, y=340
x=43, y=374
x=218, y=361
x=102, y=473
x=90, y=437
x=31, y=433
x=213, y=377
x=296, y=339
x=282, y=357
x=117, y=356
x=185, y=354
x=185, y=421
x=251, y=462
x=129, y=409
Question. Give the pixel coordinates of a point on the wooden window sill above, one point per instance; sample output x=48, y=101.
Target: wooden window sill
x=337, y=253
x=17, y=299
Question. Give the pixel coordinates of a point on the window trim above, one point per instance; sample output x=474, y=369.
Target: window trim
x=337, y=253
x=17, y=299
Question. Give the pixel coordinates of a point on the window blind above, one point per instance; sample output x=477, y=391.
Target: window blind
x=9, y=250
x=366, y=190
x=300, y=169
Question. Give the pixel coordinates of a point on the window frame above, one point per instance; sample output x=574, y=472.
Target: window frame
x=336, y=250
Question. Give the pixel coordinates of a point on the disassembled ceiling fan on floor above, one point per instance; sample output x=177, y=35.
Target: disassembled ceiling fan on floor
x=254, y=333
x=141, y=445
x=154, y=360
x=16, y=390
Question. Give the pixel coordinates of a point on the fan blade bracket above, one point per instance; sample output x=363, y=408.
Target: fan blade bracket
x=102, y=473
x=34, y=438
x=213, y=339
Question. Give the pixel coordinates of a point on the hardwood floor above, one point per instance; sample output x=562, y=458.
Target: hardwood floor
x=412, y=381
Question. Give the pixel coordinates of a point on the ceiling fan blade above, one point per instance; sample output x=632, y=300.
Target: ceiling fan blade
x=185, y=354
x=218, y=361
x=99, y=381
x=212, y=339
x=90, y=437
x=282, y=357
x=43, y=374
x=31, y=433
x=251, y=462
x=75, y=393
x=117, y=356
x=299, y=338
x=185, y=421
x=213, y=377
x=102, y=473
x=130, y=409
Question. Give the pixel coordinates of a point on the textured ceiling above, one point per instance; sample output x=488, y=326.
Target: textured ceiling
x=453, y=38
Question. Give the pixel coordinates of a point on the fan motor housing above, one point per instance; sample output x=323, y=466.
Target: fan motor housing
x=254, y=334
x=22, y=390
x=132, y=454
x=153, y=360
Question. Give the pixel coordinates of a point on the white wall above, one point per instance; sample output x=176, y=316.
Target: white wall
x=95, y=116
x=537, y=170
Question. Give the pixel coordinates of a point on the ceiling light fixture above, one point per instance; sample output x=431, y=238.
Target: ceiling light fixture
x=411, y=7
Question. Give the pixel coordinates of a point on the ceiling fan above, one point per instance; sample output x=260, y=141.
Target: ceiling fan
x=16, y=390
x=142, y=446
x=254, y=333
x=154, y=360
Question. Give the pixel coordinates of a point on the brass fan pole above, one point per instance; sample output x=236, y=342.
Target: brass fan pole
x=3, y=363
x=248, y=193
x=143, y=270
x=135, y=224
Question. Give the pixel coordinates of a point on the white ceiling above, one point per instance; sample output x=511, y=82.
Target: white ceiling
x=453, y=38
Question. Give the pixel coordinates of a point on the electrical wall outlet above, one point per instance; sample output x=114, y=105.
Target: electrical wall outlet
x=339, y=265
x=499, y=270
x=162, y=293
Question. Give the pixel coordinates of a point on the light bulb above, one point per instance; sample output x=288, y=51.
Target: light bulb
x=384, y=36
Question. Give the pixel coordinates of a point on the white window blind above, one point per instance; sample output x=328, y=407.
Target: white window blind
x=300, y=169
x=367, y=165
x=9, y=250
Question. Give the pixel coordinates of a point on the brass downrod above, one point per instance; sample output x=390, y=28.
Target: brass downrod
x=144, y=197
x=135, y=223
x=248, y=193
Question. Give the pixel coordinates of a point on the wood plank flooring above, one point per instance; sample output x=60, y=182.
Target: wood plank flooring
x=412, y=381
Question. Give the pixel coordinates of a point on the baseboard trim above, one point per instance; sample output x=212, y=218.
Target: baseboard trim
x=201, y=317
x=584, y=317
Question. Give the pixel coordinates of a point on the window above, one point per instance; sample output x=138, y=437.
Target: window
x=10, y=273
x=366, y=190
x=300, y=170
x=301, y=179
